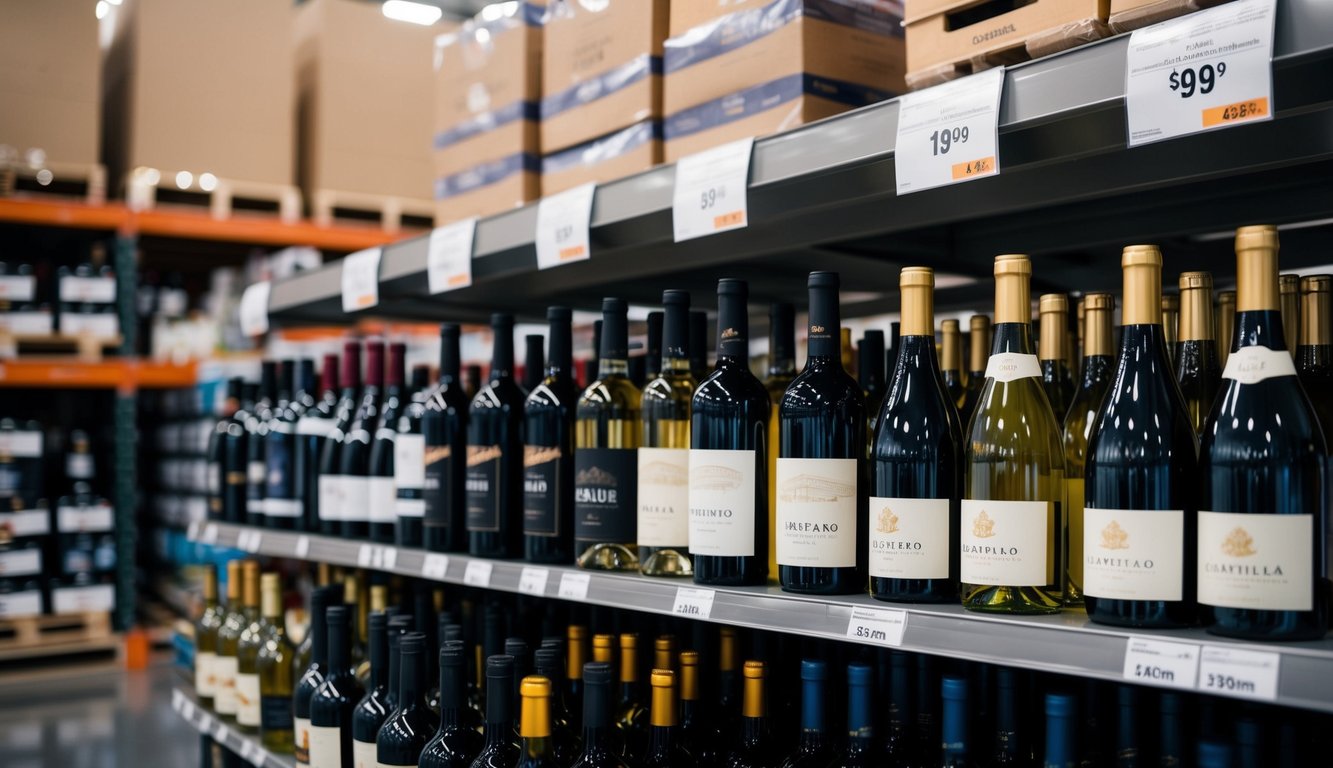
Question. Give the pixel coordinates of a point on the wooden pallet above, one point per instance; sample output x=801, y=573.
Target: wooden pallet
x=85, y=181
x=329, y=207
x=36, y=636
x=85, y=347
x=148, y=188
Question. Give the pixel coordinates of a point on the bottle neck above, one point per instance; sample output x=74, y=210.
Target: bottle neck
x=499, y=710
x=980, y=344
x=339, y=658
x=409, y=679
x=733, y=329
x=812, y=707
x=676, y=338
x=824, y=341
x=954, y=731
x=1316, y=326
x=614, y=344
x=1013, y=337
x=1012, y=299
x=561, y=348
x=374, y=365
x=1054, y=343
x=860, y=727
x=1059, y=740
x=319, y=639
x=451, y=696
x=1196, y=314
x=596, y=714
x=379, y=658
x=449, y=357
x=951, y=351
x=502, y=352
x=394, y=662
x=396, y=373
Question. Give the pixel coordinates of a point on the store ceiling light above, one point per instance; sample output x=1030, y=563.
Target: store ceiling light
x=414, y=13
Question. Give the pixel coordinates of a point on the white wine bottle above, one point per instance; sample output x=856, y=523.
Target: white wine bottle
x=664, y=455
x=1014, y=467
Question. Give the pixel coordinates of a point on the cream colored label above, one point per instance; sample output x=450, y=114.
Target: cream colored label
x=1011, y=366
x=664, y=497
x=1256, y=561
x=224, y=699
x=301, y=738
x=205, y=679
x=364, y=754
x=331, y=497
x=247, y=700
x=909, y=538
x=1133, y=554
x=1251, y=365
x=326, y=749
x=356, y=499
x=383, y=498
x=817, y=512
x=721, y=502
x=1006, y=543
x=1074, y=521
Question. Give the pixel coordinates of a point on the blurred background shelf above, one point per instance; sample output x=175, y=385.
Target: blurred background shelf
x=72, y=373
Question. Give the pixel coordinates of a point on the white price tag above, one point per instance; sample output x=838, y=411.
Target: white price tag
x=532, y=581
x=1205, y=70
x=694, y=603
x=574, y=586
x=1158, y=662
x=449, y=256
x=712, y=191
x=210, y=536
x=361, y=279
x=365, y=556
x=563, y=221
x=187, y=710
x=884, y=626
x=302, y=547
x=247, y=750
x=949, y=134
x=192, y=531
x=1233, y=672
x=434, y=566
x=254, y=309
x=478, y=574
x=389, y=560
x=177, y=701
x=221, y=733
x=258, y=757
x=252, y=541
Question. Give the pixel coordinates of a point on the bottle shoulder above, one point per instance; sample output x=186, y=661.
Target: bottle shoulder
x=1270, y=420
x=729, y=386
x=821, y=388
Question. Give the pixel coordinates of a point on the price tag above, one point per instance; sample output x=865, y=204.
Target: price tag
x=389, y=560
x=210, y=536
x=574, y=586
x=302, y=547
x=177, y=701
x=949, y=134
x=1233, y=672
x=222, y=733
x=254, y=309
x=712, y=191
x=365, y=556
x=694, y=603
x=247, y=750
x=361, y=279
x=478, y=574
x=250, y=541
x=532, y=581
x=1158, y=662
x=187, y=710
x=434, y=566
x=449, y=256
x=1205, y=70
x=884, y=626
x=259, y=756
x=563, y=222
x=192, y=531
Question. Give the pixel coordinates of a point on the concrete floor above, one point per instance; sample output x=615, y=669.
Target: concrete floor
x=94, y=716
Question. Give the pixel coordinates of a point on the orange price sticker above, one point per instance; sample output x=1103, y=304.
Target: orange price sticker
x=1235, y=113
x=366, y=300
x=982, y=167
x=457, y=280
x=733, y=219
x=573, y=252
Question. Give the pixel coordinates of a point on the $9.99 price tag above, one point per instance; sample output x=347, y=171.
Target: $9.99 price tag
x=949, y=133
x=563, y=221
x=712, y=191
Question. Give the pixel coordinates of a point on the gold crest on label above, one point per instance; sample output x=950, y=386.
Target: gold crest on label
x=887, y=521
x=1114, y=537
x=1239, y=543
x=983, y=527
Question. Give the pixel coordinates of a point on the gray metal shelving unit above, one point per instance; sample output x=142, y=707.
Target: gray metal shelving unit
x=246, y=746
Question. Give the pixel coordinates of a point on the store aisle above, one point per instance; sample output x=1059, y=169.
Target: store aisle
x=94, y=717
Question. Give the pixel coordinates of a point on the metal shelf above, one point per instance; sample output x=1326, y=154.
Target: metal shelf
x=1066, y=643
x=187, y=705
x=1069, y=192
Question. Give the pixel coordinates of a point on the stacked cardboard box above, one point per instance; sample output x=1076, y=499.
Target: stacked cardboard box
x=1128, y=15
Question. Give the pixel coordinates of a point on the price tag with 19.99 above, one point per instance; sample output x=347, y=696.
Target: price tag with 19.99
x=949, y=134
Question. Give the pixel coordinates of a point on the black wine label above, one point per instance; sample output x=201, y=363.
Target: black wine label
x=605, y=494
x=275, y=713
x=482, y=483
x=541, y=490
x=435, y=484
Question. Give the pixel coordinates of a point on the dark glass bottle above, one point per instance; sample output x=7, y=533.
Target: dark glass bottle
x=954, y=724
x=781, y=371
x=537, y=749
x=409, y=465
x=444, y=430
x=821, y=467
x=355, y=459
x=331, y=486
x=859, y=748
x=1053, y=352
x=382, y=494
x=499, y=751
x=592, y=370
x=693, y=733
x=664, y=749
x=754, y=748
x=564, y=739
x=256, y=439
x=1061, y=722
x=371, y=711
x=1009, y=750
x=870, y=359
x=534, y=361
x=495, y=454
x=235, y=455
x=814, y=749
x=916, y=465
x=312, y=429
x=311, y=676
x=406, y=732
x=653, y=353
x=332, y=704
x=1198, y=366
x=729, y=523
x=1314, y=352
x=548, y=452
x=978, y=352
x=455, y=744
x=284, y=487
x=576, y=656
x=217, y=454
x=698, y=344
x=599, y=744
x=1171, y=325
x=1127, y=749
x=951, y=361
x=631, y=714
x=899, y=745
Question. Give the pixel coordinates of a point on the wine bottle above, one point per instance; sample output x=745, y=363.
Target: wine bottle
x=870, y=370
x=593, y=367
x=517, y=648
x=899, y=747
x=534, y=360
x=599, y=744
x=781, y=371
x=229, y=638
x=1060, y=724
x=537, y=749
x=692, y=733
x=631, y=714
x=371, y=711
x=1171, y=325
x=1127, y=750
x=821, y=464
x=283, y=508
x=1314, y=358
x=548, y=451
x=1053, y=352
x=1170, y=736
x=1226, y=323
x=216, y=464
x=858, y=749
x=495, y=454
x=312, y=675
x=891, y=354
x=1009, y=748
x=444, y=430
x=755, y=748
x=235, y=458
x=354, y=466
x=697, y=343
x=256, y=439
x=311, y=430
x=1198, y=371
x=813, y=749
x=957, y=754
x=247, y=652
x=332, y=484
x=979, y=344
x=275, y=670
x=1098, y=368
x=606, y=438
x=1141, y=472
x=499, y=750
x=409, y=465
x=951, y=361
x=1289, y=296
x=576, y=657
x=383, y=494
x=206, y=638
x=334, y=700
x=664, y=652
x=548, y=663
x=455, y=745
x=916, y=465
x=1012, y=526
x=653, y=346
x=1264, y=505
x=663, y=750
x=847, y=353
x=664, y=464
x=406, y=732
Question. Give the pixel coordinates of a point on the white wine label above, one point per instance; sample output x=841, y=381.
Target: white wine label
x=410, y=508
x=1011, y=366
x=364, y=754
x=721, y=502
x=326, y=749
x=26, y=444
x=409, y=461
x=288, y=508
x=356, y=499
x=91, y=290
x=383, y=497
x=16, y=288
x=817, y=512
x=301, y=740
x=314, y=427
x=224, y=700
x=1251, y=365
x=1256, y=561
x=1007, y=543
x=247, y=700
x=664, y=497
x=1133, y=554
x=909, y=538
x=332, y=494
x=205, y=679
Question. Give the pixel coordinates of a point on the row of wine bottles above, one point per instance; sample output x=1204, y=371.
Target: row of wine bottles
x=413, y=690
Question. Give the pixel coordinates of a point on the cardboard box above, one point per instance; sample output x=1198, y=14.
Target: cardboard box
x=50, y=80
x=364, y=87
x=1129, y=15
x=776, y=66
x=601, y=68
x=624, y=152
x=201, y=86
x=487, y=188
x=941, y=32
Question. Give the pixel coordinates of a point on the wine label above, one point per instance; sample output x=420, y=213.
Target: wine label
x=364, y=754
x=383, y=498
x=1011, y=366
x=315, y=427
x=817, y=512
x=1256, y=561
x=721, y=497
x=92, y=519
x=275, y=713
x=224, y=697
x=27, y=522
x=1251, y=365
x=409, y=464
x=24, y=444
x=1133, y=554
x=356, y=498
x=332, y=496
x=288, y=508
x=205, y=679
x=301, y=741
x=909, y=538
x=541, y=490
x=1007, y=543
x=605, y=488
x=20, y=562
x=483, y=492
x=326, y=749
x=664, y=497
x=247, y=700
x=438, y=461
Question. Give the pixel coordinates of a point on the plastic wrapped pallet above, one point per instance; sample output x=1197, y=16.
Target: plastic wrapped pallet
x=633, y=149
x=1129, y=15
